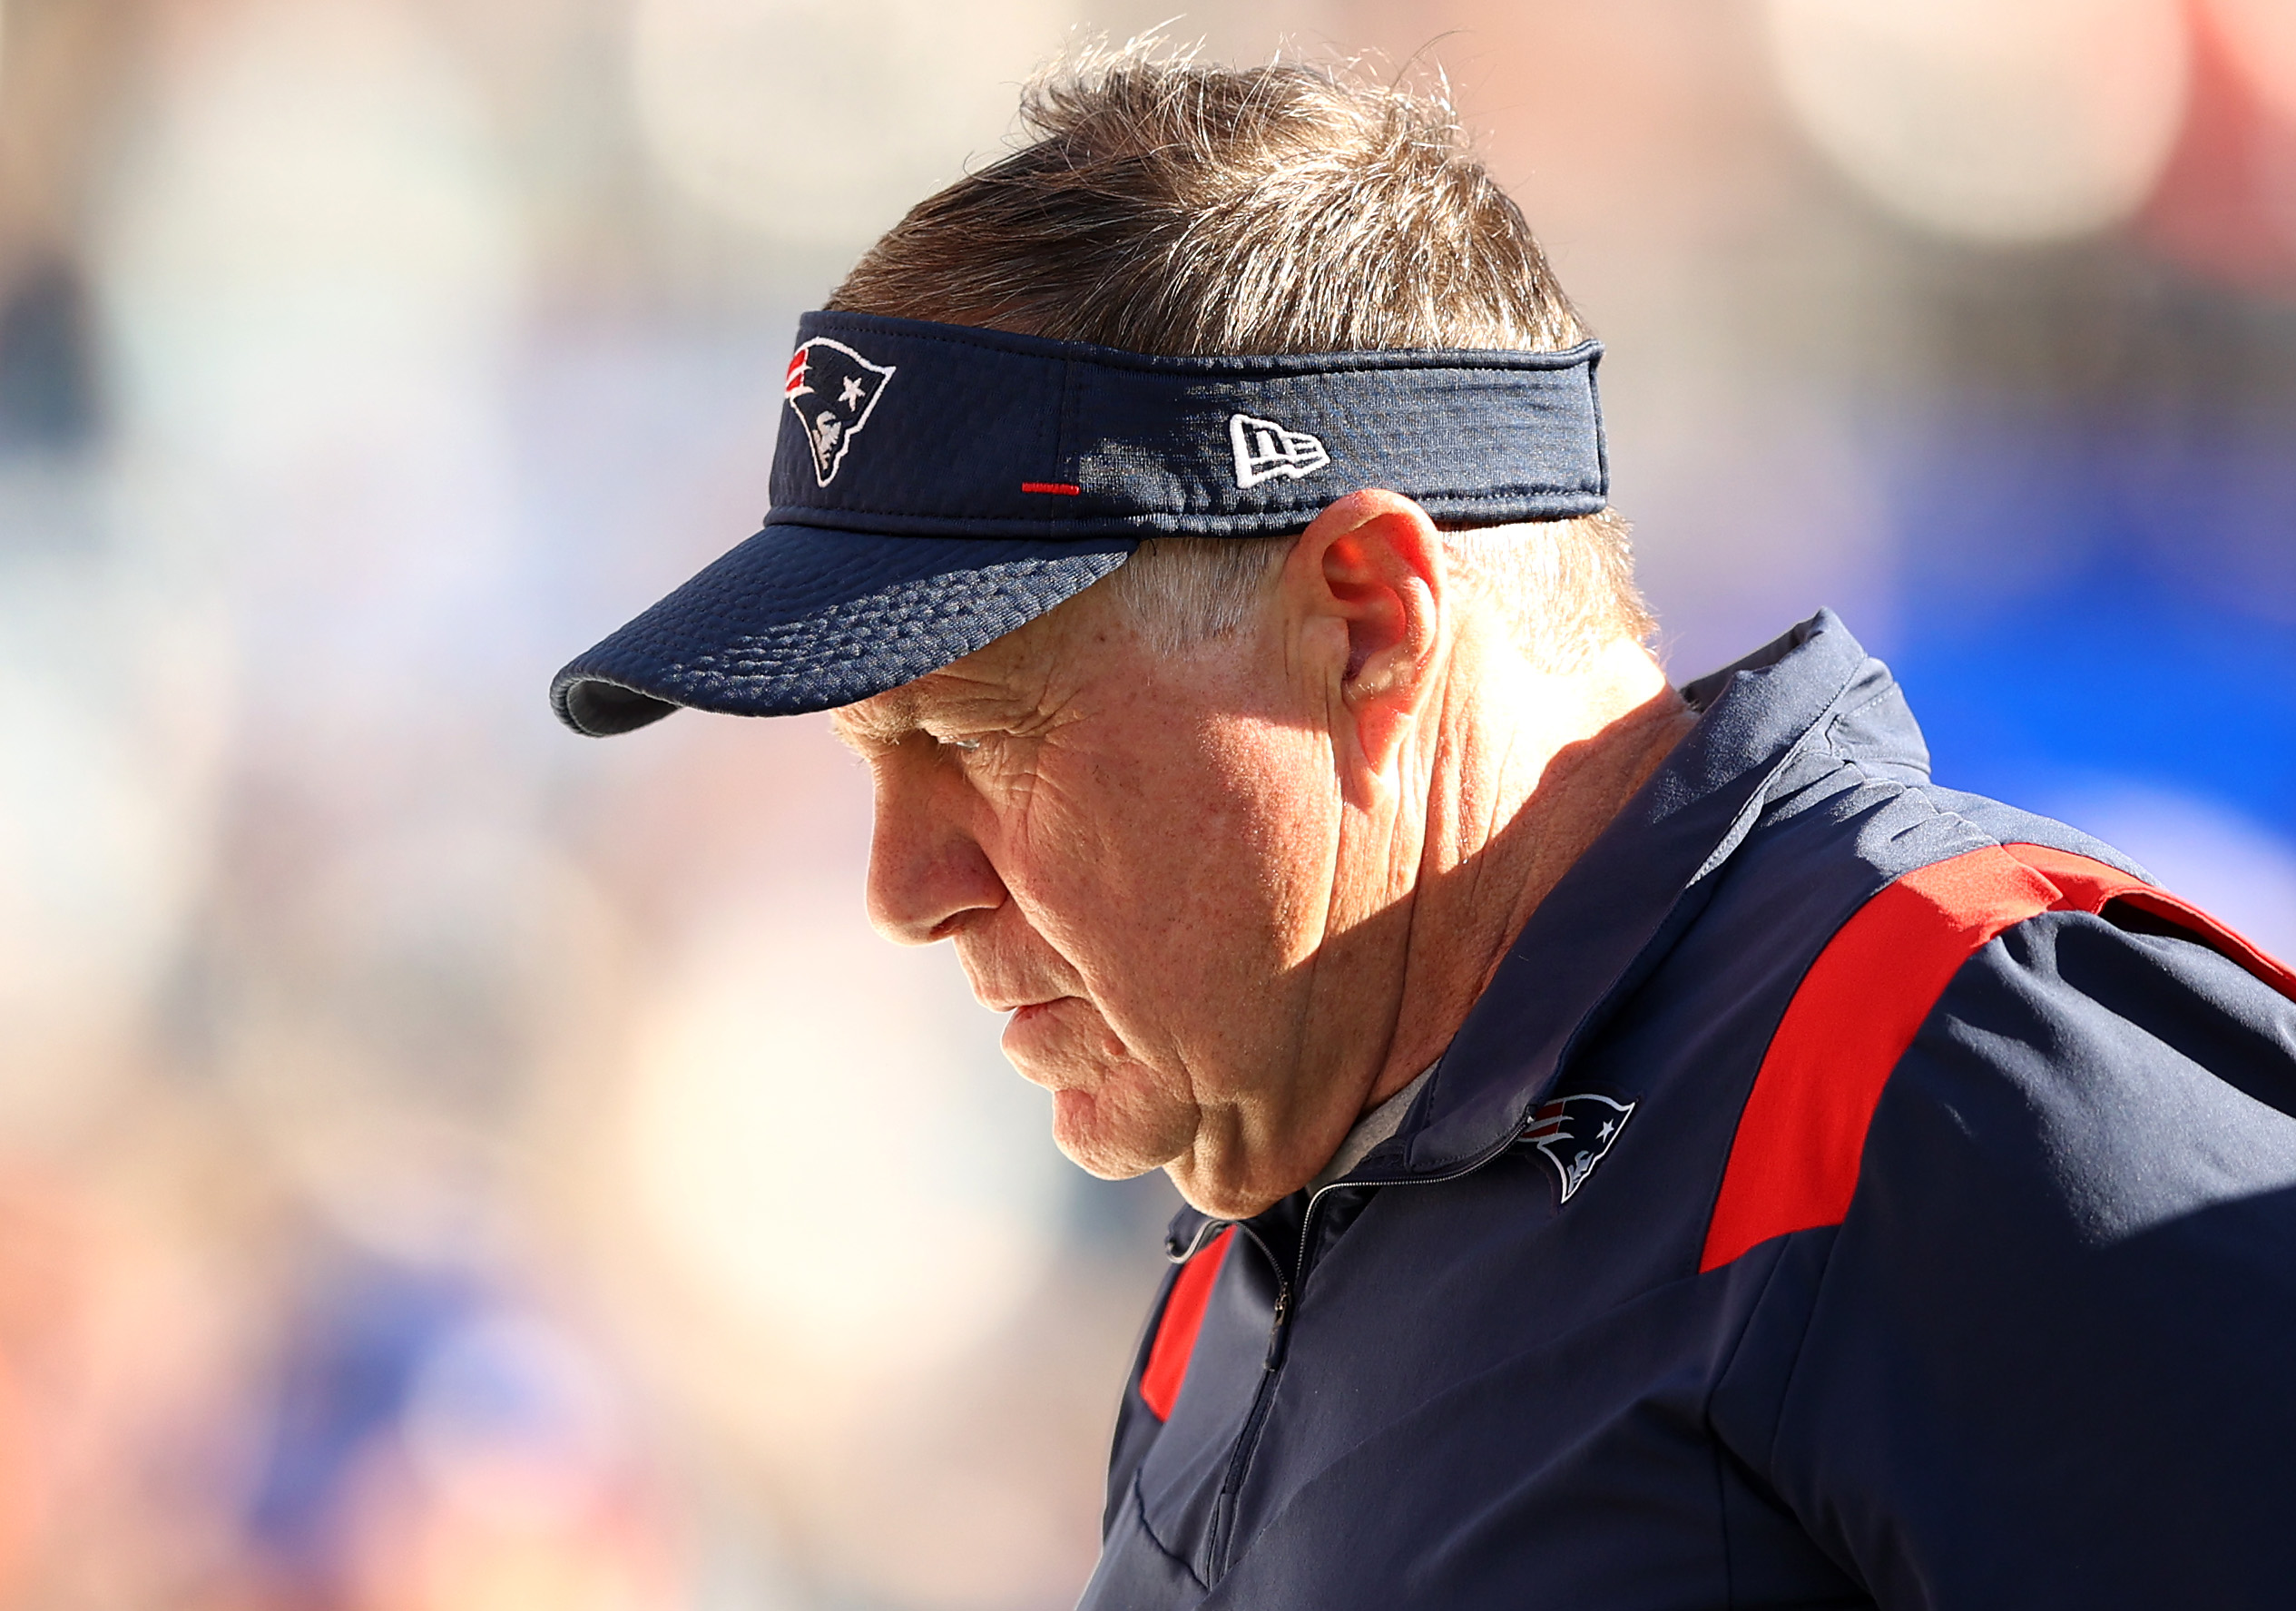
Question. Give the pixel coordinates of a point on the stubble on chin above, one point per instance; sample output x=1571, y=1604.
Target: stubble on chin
x=1113, y=1115
x=1122, y=1130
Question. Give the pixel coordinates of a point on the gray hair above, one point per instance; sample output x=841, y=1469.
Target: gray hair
x=1565, y=587
x=1165, y=205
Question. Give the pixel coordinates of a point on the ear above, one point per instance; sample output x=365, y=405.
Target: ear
x=1368, y=574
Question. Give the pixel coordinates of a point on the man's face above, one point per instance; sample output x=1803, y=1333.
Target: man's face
x=1134, y=853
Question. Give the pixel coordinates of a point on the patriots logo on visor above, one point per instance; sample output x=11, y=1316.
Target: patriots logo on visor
x=1265, y=450
x=831, y=390
x=1575, y=1132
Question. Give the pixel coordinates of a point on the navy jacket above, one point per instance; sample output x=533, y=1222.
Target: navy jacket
x=1849, y=1192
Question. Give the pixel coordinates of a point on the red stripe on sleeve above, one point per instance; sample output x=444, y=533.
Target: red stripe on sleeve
x=1794, y=1161
x=1793, y=1164
x=1175, y=1341
x=1067, y=489
x=2089, y=884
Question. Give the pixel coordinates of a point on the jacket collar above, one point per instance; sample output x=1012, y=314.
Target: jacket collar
x=1615, y=914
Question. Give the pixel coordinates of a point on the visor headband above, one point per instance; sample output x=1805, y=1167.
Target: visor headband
x=904, y=428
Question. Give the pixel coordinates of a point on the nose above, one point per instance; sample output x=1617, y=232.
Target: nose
x=927, y=868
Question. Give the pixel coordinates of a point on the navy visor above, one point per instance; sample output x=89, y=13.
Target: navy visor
x=935, y=486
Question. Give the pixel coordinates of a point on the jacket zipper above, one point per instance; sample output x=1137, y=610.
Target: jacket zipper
x=1223, y=1510
x=1246, y=1444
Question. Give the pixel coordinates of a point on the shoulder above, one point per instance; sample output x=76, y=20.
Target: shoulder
x=2104, y=1070
x=2061, y=1293
x=1959, y=961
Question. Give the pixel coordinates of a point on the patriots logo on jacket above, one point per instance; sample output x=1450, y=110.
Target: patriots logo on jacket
x=831, y=390
x=1575, y=1132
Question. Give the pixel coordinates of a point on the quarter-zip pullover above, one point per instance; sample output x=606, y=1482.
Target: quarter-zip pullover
x=1848, y=1193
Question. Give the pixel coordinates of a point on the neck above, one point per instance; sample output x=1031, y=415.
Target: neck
x=1528, y=768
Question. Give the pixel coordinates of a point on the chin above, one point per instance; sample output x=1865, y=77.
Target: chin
x=1117, y=1140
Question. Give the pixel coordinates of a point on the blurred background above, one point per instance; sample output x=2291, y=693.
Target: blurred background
x=446, y=1164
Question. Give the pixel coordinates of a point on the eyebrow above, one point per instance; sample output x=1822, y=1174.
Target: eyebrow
x=915, y=706
x=887, y=718
x=858, y=733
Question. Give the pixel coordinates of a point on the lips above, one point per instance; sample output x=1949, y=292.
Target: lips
x=1040, y=1039
x=1011, y=972
x=1013, y=995
x=1003, y=1001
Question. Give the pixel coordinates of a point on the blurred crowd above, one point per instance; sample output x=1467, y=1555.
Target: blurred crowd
x=449, y=1165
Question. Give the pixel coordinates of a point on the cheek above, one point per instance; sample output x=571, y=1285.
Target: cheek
x=1278, y=828
x=1182, y=881
x=1243, y=850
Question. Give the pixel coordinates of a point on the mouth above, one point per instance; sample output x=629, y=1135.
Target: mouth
x=1039, y=1041
x=997, y=1002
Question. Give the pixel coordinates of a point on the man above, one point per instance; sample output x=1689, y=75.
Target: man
x=1643, y=1146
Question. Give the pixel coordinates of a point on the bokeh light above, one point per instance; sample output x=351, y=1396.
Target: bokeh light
x=1992, y=120
x=2262, y=36
x=311, y=248
x=817, y=1152
x=818, y=124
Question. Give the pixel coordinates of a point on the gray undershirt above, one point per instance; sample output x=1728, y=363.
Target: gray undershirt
x=1371, y=1129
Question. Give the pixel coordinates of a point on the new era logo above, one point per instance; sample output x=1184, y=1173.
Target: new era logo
x=1265, y=450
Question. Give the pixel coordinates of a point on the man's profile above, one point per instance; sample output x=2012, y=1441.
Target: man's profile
x=1644, y=1145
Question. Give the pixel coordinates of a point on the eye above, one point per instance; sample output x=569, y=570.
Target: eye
x=967, y=745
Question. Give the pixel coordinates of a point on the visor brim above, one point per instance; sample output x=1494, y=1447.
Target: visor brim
x=802, y=618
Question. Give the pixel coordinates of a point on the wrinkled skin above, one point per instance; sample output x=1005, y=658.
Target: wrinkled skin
x=1234, y=898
